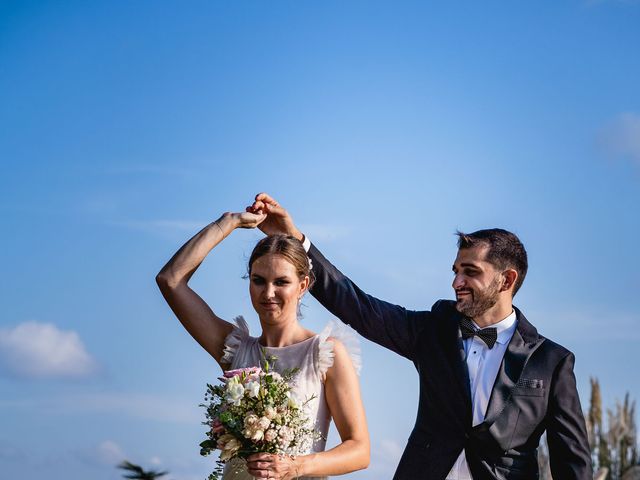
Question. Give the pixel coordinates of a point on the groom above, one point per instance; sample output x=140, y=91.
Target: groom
x=490, y=385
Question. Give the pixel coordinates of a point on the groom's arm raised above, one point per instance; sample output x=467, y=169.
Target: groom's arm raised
x=386, y=324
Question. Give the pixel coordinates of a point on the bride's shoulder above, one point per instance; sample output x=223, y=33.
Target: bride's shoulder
x=238, y=336
x=337, y=340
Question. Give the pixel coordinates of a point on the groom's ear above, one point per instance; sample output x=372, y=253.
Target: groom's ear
x=510, y=276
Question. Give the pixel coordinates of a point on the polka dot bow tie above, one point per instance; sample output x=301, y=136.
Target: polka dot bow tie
x=487, y=335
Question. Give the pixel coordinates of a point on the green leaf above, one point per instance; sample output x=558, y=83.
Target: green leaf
x=209, y=444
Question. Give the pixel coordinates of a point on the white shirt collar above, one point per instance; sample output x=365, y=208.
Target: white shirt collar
x=504, y=328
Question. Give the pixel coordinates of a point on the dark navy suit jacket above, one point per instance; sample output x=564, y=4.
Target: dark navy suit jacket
x=535, y=389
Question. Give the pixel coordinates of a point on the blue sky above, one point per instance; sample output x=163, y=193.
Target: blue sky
x=382, y=126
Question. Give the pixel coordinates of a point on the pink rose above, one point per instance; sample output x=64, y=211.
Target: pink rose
x=270, y=435
x=248, y=371
x=217, y=427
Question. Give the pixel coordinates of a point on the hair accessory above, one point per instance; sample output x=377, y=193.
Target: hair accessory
x=310, y=264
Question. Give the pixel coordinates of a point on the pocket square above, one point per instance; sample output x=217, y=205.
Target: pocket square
x=530, y=383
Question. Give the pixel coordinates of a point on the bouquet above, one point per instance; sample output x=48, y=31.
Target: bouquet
x=253, y=411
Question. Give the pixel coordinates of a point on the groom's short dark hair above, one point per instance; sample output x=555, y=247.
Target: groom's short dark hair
x=505, y=250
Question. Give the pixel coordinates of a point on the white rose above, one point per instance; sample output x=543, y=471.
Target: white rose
x=234, y=393
x=251, y=419
x=270, y=412
x=286, y=436
x=252, y=389
x=264, y=423
x=270, y=435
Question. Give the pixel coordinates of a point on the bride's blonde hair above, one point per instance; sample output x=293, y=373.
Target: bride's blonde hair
x=290, y=248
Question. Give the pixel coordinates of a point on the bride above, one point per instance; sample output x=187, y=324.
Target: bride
x=279, y=275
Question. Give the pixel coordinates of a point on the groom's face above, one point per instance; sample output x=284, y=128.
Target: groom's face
x=477, y=283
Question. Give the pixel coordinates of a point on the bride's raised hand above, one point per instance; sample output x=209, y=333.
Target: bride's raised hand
x=248, y=219
x=278, y=220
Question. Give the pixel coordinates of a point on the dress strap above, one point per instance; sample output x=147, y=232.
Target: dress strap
x=349, y=339
x=233, y=341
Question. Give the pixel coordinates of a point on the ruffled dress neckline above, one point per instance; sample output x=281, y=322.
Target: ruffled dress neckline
x=297, y=344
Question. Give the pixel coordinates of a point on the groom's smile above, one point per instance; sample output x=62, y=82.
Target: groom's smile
x=464, y=296
x=461, y=293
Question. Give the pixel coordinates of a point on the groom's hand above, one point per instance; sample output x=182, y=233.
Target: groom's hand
x=278, y=220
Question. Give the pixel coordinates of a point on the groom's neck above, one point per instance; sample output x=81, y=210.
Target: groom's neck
x=495, y=314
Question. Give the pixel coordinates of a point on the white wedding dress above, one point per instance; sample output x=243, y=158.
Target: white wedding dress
x=312, y=357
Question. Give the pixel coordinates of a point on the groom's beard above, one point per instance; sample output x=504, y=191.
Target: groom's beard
x=481, y=301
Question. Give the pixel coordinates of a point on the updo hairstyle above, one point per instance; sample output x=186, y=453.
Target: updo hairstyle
x=290, y=248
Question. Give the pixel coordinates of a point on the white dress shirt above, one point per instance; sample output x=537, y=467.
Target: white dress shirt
x=483, y=365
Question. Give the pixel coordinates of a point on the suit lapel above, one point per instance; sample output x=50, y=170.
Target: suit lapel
x=457, y=359
x=524, y=342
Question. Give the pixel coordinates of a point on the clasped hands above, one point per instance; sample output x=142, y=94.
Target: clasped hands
x=266, y=214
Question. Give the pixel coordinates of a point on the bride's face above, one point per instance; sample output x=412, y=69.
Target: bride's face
x=275, y=288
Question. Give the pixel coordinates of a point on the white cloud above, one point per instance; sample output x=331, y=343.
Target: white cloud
x=162, y=225
x=106, y=453
x=391, y=450
x=155, y=461
x=41, y=350
x=385, y=458
x=10, y=452
x=587, y=325
x=109, y=453
x=621, y=137
x=145, y=406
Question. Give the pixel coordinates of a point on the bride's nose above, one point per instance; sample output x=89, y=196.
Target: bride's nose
x=269, y=290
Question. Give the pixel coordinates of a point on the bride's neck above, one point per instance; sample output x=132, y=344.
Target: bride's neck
x=282, y=335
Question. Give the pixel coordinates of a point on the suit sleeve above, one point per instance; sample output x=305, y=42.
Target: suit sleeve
x=569, y=452
x=388, y=325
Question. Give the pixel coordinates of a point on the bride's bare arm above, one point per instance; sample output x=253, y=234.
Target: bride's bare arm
x=342, y=391
x=205, y=327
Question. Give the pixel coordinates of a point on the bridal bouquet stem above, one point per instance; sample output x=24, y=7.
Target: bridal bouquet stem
x=252, y=410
